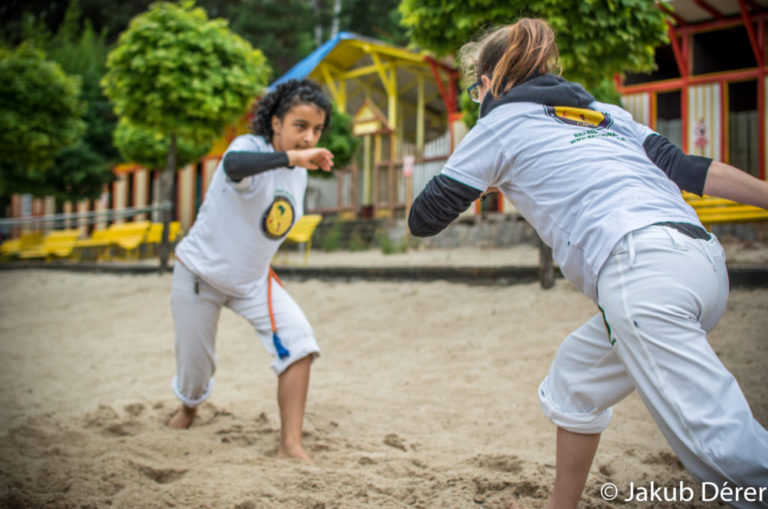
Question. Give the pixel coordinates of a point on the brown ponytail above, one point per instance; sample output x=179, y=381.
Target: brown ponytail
x=512, y=54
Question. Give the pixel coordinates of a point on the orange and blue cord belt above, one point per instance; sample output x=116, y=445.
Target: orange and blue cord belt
x=282, y=352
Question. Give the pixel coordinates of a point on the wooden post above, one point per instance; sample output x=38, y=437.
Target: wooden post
x=164, y=242
x=546, y=266
x=409, y=162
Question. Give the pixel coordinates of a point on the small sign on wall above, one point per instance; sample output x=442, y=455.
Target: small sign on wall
x=408, y=164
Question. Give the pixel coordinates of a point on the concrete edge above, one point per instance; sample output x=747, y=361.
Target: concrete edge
x=741, y=275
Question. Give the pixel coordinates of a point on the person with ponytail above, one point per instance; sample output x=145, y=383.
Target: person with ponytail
x=255, y=197
x=604, y=192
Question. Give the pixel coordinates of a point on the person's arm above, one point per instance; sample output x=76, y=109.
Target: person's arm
x=441, y=201
x=689, y=172
x=241, y=164
x=702, y=175
x=726, y=181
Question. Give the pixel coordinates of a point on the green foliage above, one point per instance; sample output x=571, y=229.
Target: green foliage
x=78, y=173
x=470, y=109
x=285, y=30
x=282, y=30
x=80, y=51
x=605, y=91
x=380, y=19
x=356, y=242
x=150, y=148
x=331, y=239
x=40, y=114
x=175, y=71
x=596, y=38
x=340, y=141
x=389, y=246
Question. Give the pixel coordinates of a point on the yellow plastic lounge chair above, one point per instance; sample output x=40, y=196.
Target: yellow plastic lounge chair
x=302, y=233
x=56, y=244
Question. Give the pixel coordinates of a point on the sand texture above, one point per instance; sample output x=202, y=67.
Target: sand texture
x=424, y=396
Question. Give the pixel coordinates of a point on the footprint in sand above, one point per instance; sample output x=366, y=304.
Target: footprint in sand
x=111, y=424
x=160, y=475
x=663, y=458
x=500, y=463
x=395, y=441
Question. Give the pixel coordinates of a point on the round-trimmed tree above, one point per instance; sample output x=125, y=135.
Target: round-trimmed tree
x=178, y=73
x=150, y=148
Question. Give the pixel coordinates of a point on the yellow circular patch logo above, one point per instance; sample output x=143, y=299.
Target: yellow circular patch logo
x=580, y=117
x=278, y=218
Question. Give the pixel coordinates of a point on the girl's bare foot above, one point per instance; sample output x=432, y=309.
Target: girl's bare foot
x=294, y=452
x=183, y=418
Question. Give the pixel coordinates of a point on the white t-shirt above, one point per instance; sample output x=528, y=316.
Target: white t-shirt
x=240, y=225
x=580, y=177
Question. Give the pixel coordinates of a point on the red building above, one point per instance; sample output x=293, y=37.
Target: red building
x=708, y=92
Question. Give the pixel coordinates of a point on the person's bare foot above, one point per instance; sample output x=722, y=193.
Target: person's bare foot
x=294, y=452
x=183, y=418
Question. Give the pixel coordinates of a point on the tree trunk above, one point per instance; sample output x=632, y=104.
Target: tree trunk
x=166, y=177
x=166, y=199
x=317, y=5
x=336, y=21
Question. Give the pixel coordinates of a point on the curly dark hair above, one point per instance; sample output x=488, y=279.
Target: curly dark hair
x=284, y=97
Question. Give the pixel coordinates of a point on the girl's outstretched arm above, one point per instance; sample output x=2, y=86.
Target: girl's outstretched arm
x=726, y=181
x=441, y=201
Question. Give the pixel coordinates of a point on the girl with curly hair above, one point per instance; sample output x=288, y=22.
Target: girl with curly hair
x=255, y=196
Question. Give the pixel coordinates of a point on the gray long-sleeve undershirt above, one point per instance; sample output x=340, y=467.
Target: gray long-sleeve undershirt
x=241, y=164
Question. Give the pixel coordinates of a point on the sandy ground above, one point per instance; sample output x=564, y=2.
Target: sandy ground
x=737, y=252
x=425, y=396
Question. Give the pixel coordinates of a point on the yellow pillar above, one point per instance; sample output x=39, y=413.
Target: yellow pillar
x=342, y=102
x=420, y=107
x=367, y=157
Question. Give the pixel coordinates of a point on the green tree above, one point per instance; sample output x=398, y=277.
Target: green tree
x=40, y=114
x=178, y=73
x=596, y=38
x=282, y=30
x=82, y=52
x=379, y=19
x=150, y=148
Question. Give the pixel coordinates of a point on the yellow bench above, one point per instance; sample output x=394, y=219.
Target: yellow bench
x=712, y=210
x=129, y=236
x=10, y=248
x=302, y=233
x=98, y=241
x=126, y=236
x=56, y=244
x=28, y=240
x=155, y=235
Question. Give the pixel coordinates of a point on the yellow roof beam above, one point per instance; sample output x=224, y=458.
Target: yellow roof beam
x=389, y=79
x=389, y=51
x=330, y=82
x=362, y=71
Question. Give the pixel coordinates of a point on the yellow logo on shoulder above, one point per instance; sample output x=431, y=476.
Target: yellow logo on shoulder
x=580, y=117
x=278, y=218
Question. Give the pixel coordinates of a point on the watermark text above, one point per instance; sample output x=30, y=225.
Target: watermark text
x=706, y=492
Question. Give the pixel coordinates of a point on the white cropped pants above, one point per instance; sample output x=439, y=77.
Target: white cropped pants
x=661, y=292
x=196, y=307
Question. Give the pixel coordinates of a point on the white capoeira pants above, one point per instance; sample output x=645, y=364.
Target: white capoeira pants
x=661, y=292
x=196, y=317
